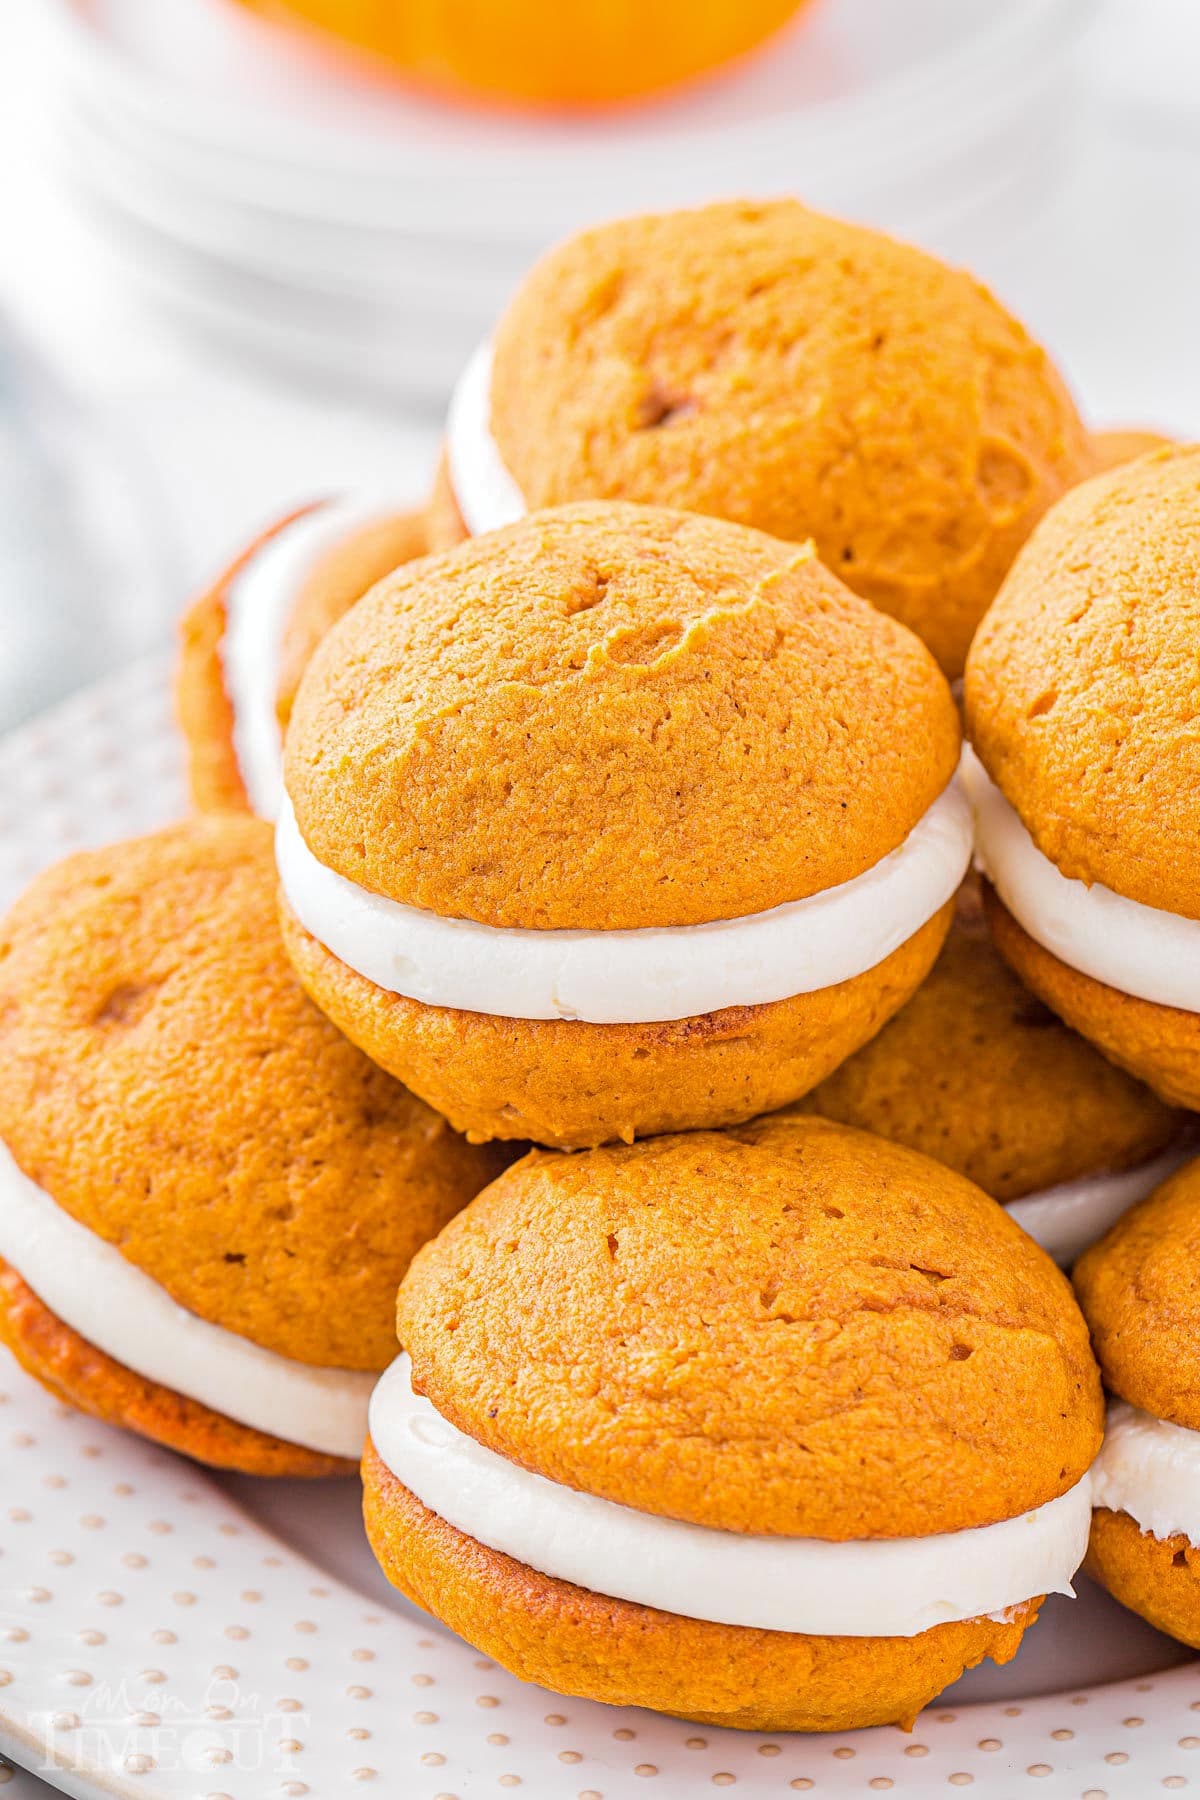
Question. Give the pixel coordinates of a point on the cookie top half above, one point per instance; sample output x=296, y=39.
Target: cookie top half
x=789, y=1327
x=1139, y=1288
x=164, y=1078
x=767, y=364
x=614, y=716
x=1083, y=684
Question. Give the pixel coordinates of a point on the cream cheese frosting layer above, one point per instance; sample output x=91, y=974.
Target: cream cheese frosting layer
x=258, y=602
x=873, y=1588
x=1138, y=949
x=1065, y=1219
x=487, y=494
x=640, y=976
x=120, y=1309
x=1149, y=1469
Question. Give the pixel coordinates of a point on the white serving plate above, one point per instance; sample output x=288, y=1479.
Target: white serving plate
x=165, y=1633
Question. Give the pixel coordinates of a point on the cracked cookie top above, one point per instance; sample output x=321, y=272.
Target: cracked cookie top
x=764, y=363
x=165, y=1079
x=611, y=716
x=788, y=1327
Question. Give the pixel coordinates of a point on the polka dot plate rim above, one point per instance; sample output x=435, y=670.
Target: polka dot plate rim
x=163, y=1632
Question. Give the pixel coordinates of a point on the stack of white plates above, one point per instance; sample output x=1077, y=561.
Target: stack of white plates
x=348, y=230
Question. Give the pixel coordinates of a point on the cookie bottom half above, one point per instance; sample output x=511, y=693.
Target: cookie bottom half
x=573, y=1085
x=574, y=1641
x=1158, y=1578
x=74, y=1370
x=1158, y=1044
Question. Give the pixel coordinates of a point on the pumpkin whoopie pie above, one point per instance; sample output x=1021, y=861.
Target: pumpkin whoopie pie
x=1140, y=1292
x=617, y=821
x=763, y=363
x=976, y=1072
x=1081, y=703
x=780, y=1427
x=246, y=640
x=206, y=1194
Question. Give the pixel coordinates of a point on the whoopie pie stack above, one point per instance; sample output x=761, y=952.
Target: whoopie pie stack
x=617, y=989
x=617, y=825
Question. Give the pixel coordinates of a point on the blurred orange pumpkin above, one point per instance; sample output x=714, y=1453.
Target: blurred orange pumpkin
x=543, y=52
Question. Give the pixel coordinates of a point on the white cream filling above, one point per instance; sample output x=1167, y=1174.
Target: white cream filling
x=871, y=1588
x=486, y=493
x=640, y=976
x=89, y=1285
x=1151, y=1470
x=258, y=602
x=1065, y=1219
x=1140, y=950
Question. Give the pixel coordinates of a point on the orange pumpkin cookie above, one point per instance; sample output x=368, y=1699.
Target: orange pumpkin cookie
x=245, y=643
x=1140, y=1293
x=192, y=1160
x=766, y=364
x=736, y=1425
x=978, y=1073
x=1080, y=702
x=597, y=828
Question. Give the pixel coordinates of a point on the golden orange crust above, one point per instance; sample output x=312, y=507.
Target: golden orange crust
x=577, y=1642
x=72, y=1369
x=612, y=717
x=1081, y=684
x=165, y=1079
x=333, y=584
x=763, y=363
x=202, y=704
x=1159, y=1578
x=1112, y=448
x=975, y=1072
x=1139, y=1288
x=789, y=1327
x=445, y=523
x=572, y=1084
x=1160, y=1045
